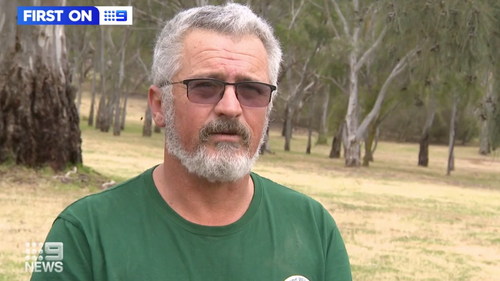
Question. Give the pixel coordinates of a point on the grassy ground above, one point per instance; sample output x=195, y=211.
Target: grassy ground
x=399, y=221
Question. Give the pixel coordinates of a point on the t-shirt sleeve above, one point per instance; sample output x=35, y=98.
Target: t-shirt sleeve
x=76, y=259
x=338, y=267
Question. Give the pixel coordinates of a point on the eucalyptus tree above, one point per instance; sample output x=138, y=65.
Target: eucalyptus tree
x=460, y=39
x=428, y=85
x=373, y=76
x=489, y=109
x=364, y=25
x=39, y=122
x=81, y=50
x=299, y=31
x=484, y=112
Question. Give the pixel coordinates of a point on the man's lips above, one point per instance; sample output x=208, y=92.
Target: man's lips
x=222, y=136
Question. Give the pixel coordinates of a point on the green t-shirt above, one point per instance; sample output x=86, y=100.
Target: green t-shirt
x=130, y=233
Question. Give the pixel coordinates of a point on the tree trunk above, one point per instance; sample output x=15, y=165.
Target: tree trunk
x=117, y=120
x=113, y=93
x=309, y=125
x=337, y=142
x=369, y=144
x=146, y=129
x=266, y=147
x=116, y=124
x=323, y=125
x=423, y=153
x=352, y=145
x=108, y=109
x=288, y=129
x=352, y=154
x=486, y=116
x=101, y=111
x=377, y=133
x=344, y=138
x=484, y=144
x=81, y=79
x=92, y=102
x=124, y=111
x=453, y=123
x=39, y=123
x=283, y=131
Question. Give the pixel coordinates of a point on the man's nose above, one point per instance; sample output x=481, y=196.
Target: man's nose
x=229, y=104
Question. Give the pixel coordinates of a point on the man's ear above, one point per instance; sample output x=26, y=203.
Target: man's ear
x=155, y=100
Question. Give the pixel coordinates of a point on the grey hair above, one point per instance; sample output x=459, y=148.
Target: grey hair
x=231, y=19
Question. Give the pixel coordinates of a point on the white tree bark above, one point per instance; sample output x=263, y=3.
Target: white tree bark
x=121, y=77
x=355, y=131
x=323, y=122
x=451, y=146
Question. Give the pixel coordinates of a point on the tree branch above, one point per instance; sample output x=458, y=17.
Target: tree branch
x=369, y=52
x=110, y=39
x=294, y=15
x=384, y=115
x=306, y=88
x=402, y=64
x=329, y=19
x=141, y=62
x=341, y=16
x=337, y=84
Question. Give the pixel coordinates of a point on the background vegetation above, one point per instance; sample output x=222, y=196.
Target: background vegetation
x=404, y=71
x=408, y=88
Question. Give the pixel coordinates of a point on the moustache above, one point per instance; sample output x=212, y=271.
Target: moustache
x=225, y=126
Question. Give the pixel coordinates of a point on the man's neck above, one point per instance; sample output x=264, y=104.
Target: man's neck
x=200, y=201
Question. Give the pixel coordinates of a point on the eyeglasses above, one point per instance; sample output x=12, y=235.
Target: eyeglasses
x=211, y=91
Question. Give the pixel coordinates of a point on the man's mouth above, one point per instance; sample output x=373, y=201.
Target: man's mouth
x=226, y=137
x=224, y=133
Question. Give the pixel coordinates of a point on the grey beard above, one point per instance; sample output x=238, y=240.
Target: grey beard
x=227, y=164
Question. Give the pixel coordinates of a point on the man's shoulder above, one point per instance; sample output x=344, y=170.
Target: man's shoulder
x=284, y=195
x=119, y=197
x=295, y=208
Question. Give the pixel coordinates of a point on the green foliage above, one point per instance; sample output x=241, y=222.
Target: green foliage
x=458, y=42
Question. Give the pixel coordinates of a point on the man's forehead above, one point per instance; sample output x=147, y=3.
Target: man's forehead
x=206, y=53
x=196, y=32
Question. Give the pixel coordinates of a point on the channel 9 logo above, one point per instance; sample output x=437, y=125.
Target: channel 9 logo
x=118, y=15
x=46, y=259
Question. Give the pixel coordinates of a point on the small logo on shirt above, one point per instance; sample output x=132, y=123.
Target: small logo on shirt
x=296, y=278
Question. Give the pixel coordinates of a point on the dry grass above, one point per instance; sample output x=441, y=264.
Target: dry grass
x=399, y=222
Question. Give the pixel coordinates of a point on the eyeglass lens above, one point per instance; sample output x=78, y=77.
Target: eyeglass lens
x=251, y=94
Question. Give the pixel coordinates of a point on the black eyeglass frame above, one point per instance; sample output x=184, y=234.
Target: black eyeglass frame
x=235, y=84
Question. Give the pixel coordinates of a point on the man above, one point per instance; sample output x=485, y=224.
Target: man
x=201, y=214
